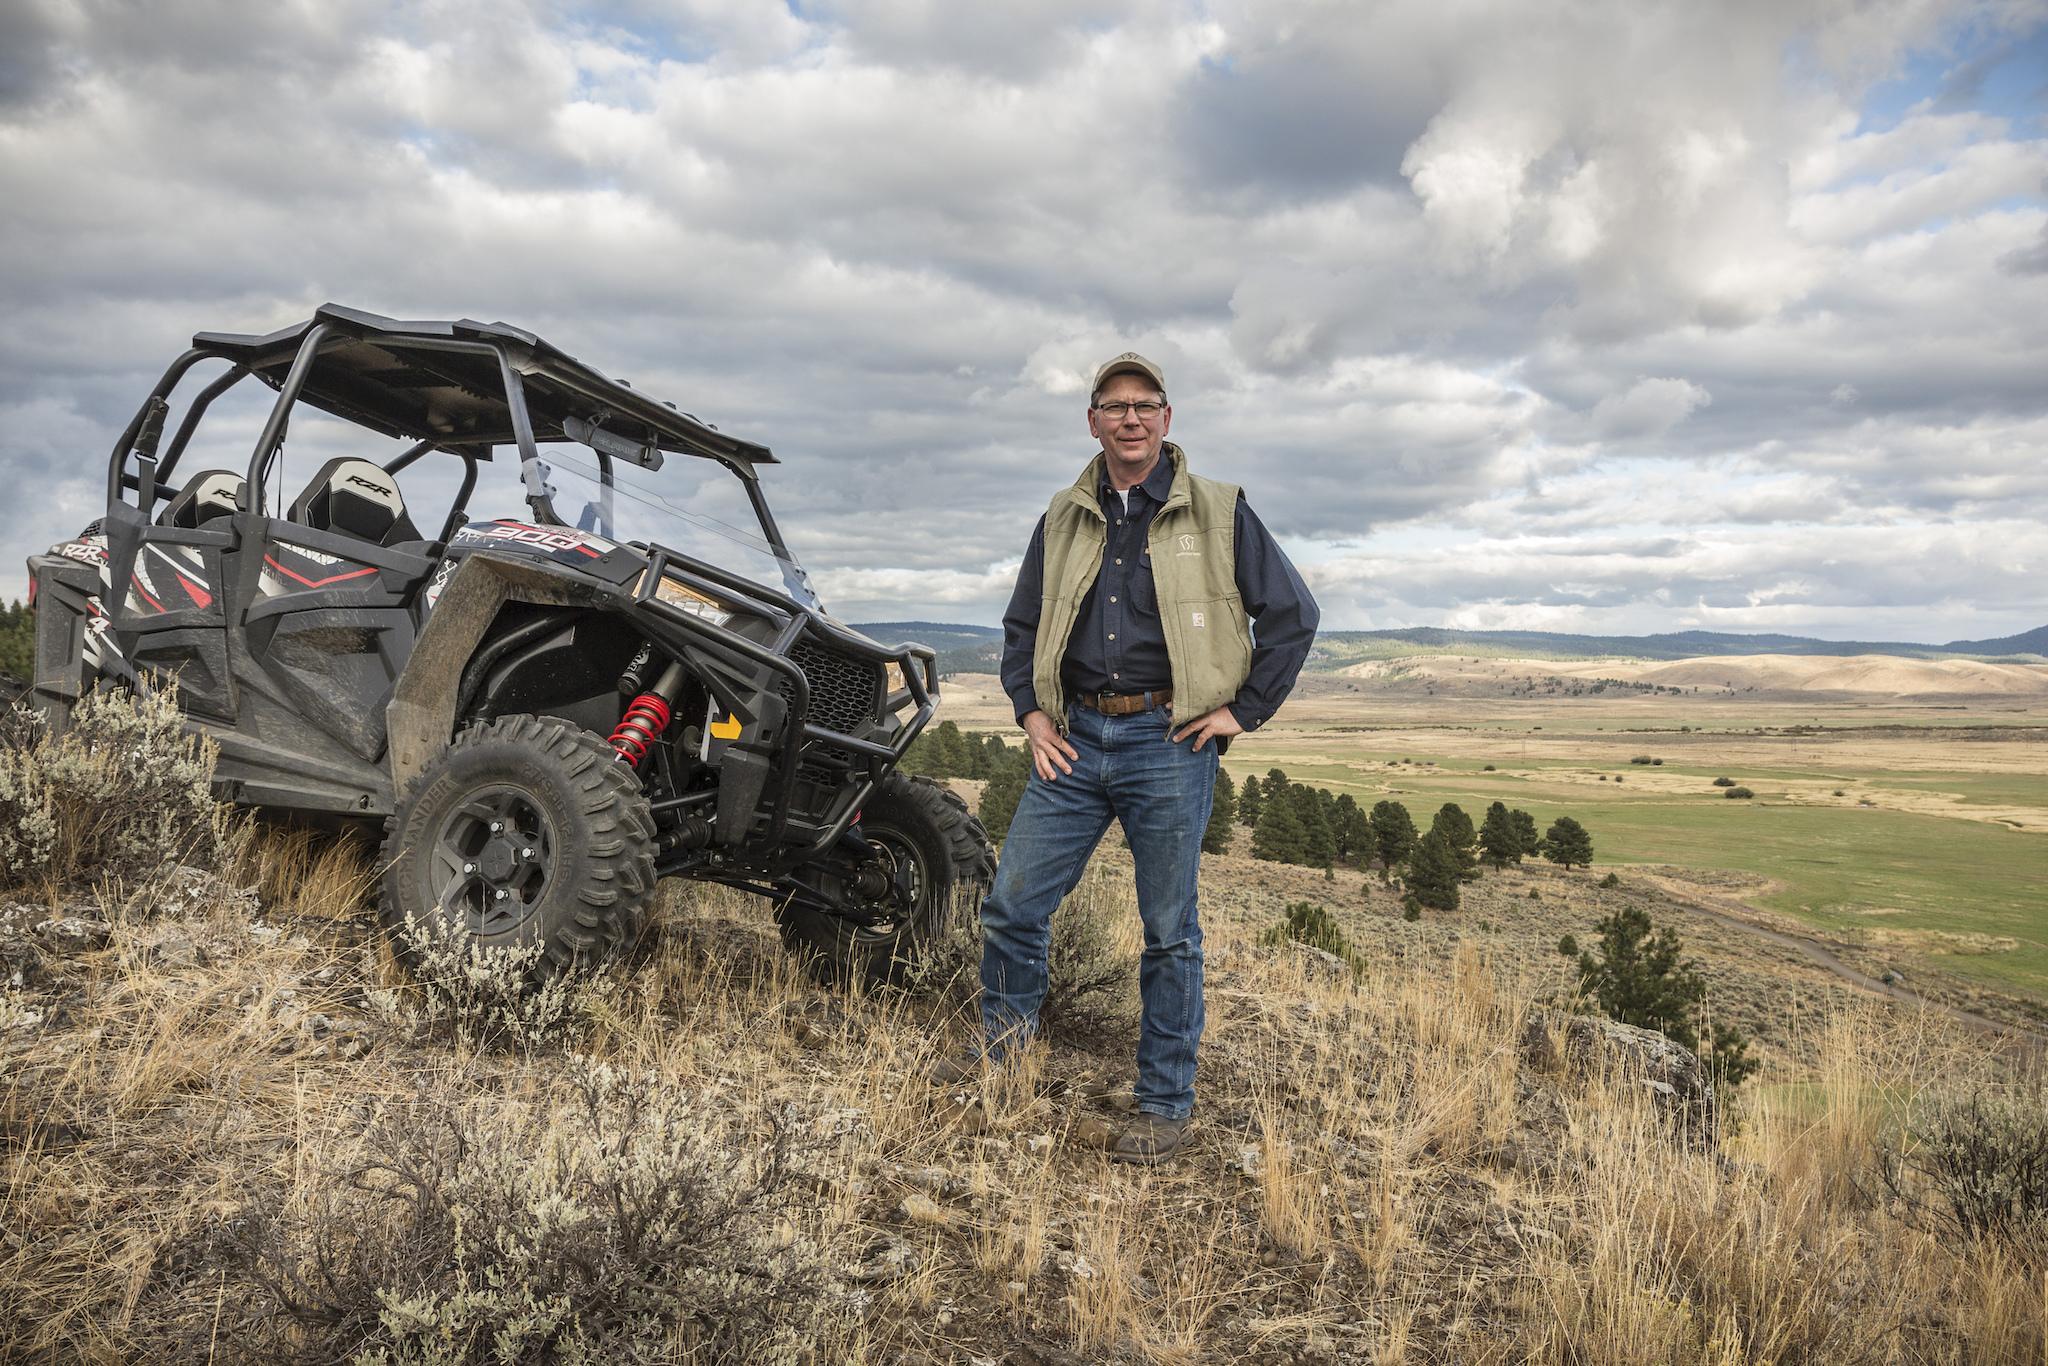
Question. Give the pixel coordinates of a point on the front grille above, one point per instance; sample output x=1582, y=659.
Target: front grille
x=843, y=689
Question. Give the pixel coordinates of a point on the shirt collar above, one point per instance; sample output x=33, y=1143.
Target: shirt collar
x=1157, y=485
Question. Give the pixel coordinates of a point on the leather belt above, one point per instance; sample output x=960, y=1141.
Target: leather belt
x=1125, y=704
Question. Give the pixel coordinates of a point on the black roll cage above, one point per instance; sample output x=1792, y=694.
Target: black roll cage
x=333, y=326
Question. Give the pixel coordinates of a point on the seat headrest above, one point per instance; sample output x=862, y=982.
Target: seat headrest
x=206, y=495
x=350, y=495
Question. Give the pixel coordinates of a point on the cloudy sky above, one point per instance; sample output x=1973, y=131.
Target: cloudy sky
x=1618, y=315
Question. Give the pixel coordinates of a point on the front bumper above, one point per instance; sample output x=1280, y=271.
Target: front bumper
x=842, y=726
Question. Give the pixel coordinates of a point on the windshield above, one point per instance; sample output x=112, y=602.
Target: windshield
x=690, y=505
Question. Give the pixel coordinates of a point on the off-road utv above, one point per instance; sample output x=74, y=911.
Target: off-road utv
x=549, y=711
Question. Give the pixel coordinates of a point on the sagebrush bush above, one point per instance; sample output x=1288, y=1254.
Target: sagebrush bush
x=1975, y=1166
x=120, y=795
x=1312, y=924
x=1738, y=793
x=483, y=996
x=613, y=1219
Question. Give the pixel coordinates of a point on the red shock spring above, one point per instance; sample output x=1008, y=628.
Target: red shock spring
x=646, y=718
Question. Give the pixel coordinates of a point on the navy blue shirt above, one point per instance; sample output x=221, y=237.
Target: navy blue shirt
x=1118, y=645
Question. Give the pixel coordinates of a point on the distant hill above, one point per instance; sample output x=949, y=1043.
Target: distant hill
x=964, y=647
x=940, y=635
x=1346, y=645
x=2034, y=642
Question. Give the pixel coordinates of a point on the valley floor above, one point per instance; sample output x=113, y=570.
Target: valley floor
x=1906, y=835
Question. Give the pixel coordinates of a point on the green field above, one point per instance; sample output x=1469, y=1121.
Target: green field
x=1882, y=864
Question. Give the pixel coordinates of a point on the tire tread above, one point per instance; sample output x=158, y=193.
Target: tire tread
x=617, y=848
x=967, y=867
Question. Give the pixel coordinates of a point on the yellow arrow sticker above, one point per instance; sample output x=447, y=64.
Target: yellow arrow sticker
x=728, y=729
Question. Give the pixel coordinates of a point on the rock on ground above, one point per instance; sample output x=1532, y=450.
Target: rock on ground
x=1678, y=1083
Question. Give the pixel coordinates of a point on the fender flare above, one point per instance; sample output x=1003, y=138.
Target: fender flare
x=420, y=718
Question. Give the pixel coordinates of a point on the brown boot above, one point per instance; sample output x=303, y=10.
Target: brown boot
x=963, y=1067
x=1148, y=1139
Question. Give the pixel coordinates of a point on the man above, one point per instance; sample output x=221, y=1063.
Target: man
x=1129, y=659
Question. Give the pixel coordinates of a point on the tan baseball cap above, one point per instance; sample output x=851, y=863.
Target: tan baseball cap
x=1129, y=362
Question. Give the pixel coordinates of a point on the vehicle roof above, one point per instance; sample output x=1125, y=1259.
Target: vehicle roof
x=402, y=379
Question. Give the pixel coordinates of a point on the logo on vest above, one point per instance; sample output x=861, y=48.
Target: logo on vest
x=1187, y=544
x=1200, y=621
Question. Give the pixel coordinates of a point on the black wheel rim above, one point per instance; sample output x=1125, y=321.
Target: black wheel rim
x=909, y=880
x=492, y=860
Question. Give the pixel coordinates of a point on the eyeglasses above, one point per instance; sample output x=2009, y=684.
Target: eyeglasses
x=1115, y=411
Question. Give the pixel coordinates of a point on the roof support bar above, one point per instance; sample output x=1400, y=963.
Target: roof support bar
x=274, y=425
x=117, y=464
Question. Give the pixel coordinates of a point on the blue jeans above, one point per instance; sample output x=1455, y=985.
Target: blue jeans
x=1128, y=770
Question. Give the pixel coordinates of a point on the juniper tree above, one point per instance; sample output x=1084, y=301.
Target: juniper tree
x=1637, y=974
x=985, y=756
x=1354, y=837
x=1499, y=842
x=1318, y=841
x=1005, y=789
x=949, y=751
x=1311, y=923
x=1278, y=835
x=1250, y=801
x=1456, y=828
x=1393, y=832
x=921, y=758
x=18, y=640
x=942, y=752
x=1433, y=872
x=1567, y=843
x=1525, y=830
x=1222, y=815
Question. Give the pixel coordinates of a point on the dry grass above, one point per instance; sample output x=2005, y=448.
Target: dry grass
x=1781, y=1252
x=1375, y=1175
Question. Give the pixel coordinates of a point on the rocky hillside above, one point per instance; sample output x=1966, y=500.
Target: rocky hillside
x=233, y=1128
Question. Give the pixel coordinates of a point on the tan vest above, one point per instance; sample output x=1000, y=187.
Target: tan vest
x=1194, y=573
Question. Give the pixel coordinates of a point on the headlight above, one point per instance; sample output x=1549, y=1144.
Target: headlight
x=892, y=680
x=689, y=600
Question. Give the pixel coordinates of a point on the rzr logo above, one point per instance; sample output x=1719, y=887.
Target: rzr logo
x=83, y=552
x=381, y=490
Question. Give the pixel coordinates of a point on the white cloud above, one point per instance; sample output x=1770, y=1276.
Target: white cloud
x=1596, y=317
x=1865, y=583
x=1649, y=408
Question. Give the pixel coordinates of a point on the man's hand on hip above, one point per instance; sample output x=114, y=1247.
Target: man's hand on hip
x=1049, y=748
x=1214, y=725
